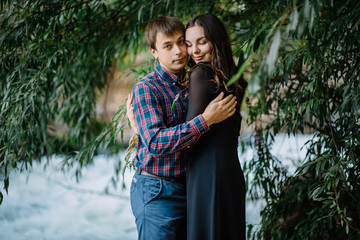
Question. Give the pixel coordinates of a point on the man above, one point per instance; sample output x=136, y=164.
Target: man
x=158, y=194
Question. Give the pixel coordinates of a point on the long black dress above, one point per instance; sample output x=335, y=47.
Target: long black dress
x=215, y=181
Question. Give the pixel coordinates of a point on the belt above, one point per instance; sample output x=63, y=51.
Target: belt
x=175, y=180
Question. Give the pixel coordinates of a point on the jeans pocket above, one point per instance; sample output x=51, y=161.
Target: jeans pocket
x=151, y=189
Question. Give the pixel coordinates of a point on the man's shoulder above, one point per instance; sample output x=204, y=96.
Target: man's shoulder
x=150, y=80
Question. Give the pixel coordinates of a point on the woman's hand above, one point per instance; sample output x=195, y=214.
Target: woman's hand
x=130, y=114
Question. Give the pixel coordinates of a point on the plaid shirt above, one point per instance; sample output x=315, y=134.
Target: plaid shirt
x=163, y=133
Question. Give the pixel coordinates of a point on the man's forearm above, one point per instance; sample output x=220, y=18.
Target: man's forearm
x=162, y=141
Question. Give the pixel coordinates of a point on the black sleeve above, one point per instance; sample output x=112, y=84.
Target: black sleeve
x=201, y=90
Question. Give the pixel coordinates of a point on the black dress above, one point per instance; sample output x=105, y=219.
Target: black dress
x=215, y=181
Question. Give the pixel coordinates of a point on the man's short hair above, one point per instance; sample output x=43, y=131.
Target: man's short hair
x=164, y=24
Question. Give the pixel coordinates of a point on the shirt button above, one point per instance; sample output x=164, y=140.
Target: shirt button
x=174, y=84
x=188, y=146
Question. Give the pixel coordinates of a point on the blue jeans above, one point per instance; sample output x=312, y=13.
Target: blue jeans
x=159, y=207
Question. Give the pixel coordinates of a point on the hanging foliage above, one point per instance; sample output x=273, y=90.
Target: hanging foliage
x=306, y=78
x=302, y=59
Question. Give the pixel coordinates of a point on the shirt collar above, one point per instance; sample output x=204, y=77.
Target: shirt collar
x=166, y=75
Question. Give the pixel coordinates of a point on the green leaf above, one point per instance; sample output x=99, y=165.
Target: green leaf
x=240, y=72
x=254, y=84
x=316, y=192
x=174, y=103
x=306, y=9
x=256, y=43
x=6, y=184
x=294, y=19
x=244, y=109
x=273, y=54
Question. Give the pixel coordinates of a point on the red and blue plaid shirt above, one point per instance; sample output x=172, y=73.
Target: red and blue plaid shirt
x=163, y=132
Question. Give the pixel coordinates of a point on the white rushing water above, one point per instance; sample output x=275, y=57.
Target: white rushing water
x=50, y=205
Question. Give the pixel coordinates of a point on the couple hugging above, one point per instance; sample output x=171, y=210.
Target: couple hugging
x=188, y=183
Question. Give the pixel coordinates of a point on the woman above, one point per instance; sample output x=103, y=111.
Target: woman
x=215, y=182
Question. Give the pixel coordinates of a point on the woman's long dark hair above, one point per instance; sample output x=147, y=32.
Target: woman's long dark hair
x=222, y=59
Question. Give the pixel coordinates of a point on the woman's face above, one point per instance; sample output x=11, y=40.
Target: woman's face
x=198, y=47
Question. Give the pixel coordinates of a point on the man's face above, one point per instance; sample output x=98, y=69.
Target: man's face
x=171, y=51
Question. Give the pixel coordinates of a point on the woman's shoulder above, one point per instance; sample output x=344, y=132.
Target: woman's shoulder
x=202, y=69
x=202, y=66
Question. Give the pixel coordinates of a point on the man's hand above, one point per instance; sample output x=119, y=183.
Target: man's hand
x=219, y=109
x=130, y=114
